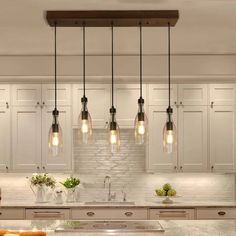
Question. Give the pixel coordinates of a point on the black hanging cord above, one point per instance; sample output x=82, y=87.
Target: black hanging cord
x=141, y=61
x=169, y=60
x=84, y=58
x=55, y=38
x=112, y=65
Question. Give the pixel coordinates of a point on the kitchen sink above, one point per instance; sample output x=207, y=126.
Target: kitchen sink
x=109, y=203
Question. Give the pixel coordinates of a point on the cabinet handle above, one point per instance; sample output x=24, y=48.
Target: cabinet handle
x=128, y=213
x=0, y=213
x=221, y=213
x=7, y=168
x=181, y=103
x=212, y=103
x=43, y=105
x=181, y=168
x=47, y=214
x=7, y=105
x=44, y=168
x=90, y=213
x=38, y=168
x=212, y=168
x=175, y=168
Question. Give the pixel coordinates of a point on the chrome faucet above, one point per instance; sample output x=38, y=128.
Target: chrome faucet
x=108, y=179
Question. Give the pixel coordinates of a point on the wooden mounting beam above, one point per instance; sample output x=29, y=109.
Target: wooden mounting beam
x=128, y=18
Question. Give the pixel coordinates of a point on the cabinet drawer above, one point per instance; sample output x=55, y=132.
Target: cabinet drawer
x=109, y=214
x=12, y=214
x=41, y=214
x=171, y=214
x=216, y=213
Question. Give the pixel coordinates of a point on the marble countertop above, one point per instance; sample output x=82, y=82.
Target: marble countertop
x=172, y=228
x=138, y=204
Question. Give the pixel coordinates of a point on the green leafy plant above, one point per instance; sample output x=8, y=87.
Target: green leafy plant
x=71, y=182
x=42, y=180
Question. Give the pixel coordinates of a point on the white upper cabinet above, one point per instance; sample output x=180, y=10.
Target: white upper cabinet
x=222, y=138
x=192, y=94
x=98, y=103
x=5, y=135
x=63, y=161
x=192, y=138
x=126, y=103
x=63, y=94
x=222, y=94
x=26, y=138
x=26, y=94
x=157, y=159
x=4, y=95
x=158, y=94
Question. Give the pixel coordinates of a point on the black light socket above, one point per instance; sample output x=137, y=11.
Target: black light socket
x=169, y=125
x=113, y=125
x=55, y=128
x=112, y=110
x=141, y=116
x=84, y=99
x=169, y=110
x=140, y=100
x=84, y=115
x=55, y=112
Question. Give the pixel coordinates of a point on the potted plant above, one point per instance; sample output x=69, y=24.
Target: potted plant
x=40, y=181
x=70, y=184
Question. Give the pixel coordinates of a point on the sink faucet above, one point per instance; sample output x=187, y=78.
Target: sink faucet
x=108, y=179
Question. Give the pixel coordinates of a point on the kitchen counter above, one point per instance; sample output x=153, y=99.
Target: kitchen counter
x=138, y=204
x=172, y=228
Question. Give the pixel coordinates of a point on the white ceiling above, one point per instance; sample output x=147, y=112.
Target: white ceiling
x=205, y=27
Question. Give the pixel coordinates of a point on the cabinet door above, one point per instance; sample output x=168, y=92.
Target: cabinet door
x=63, y=161
x=192, y=138
x=4, y=95
x=157, y=159
x=126, y=103
x=222, y=94
x=26, y=138
x=26, y=95
x=222, y=138
x=192, y=94
x=158, y=94
x=63, y=94
x=98, y=103
x=4, y=138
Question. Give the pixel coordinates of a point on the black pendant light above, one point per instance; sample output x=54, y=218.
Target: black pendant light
x=141, y=121
x=169, y=131
x=85, y=121
x=55, y=133
x=113, y=128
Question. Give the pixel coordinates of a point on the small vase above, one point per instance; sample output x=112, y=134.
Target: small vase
x=40, y=194
x=71, y=195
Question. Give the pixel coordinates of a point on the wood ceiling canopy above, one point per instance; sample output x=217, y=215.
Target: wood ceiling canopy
x=148, y=18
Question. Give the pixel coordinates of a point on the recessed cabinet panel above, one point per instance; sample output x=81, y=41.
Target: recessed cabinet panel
x=4, y=138
x=192, y=94
x=126, y=103
x=222, y=94
x=63, y=161
x=98, y=103
x=222, y=137
x=192, y=123
x=4, y=95
x=63, y=94
x=158, y=160
x=26, y=95
x=159, y=95
x=171, y=214
x=26, y=138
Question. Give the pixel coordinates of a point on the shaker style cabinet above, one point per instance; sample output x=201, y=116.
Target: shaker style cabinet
x=32, y=107
x=5, y=128
x=98, y=103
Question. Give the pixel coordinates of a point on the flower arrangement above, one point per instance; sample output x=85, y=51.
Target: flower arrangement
x=71, y=182
x=42, y=180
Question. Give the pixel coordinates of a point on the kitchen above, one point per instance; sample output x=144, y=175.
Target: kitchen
x=87, y=105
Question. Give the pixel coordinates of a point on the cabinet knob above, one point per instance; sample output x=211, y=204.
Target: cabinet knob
x=212, y=103
x=181, y=168
x=212, y=168
x=221, y=213
x=7, y=105
x=175, y=168
x=128, y=213
x=44, y=168
x=181, y=103
x=7, y=168
x=38, y=168
x=90, y=213
x=0, y=213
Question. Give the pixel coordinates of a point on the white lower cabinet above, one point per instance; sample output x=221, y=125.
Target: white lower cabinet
x=109, y=214
x=171, y=214
x=12, y=213
x=216, y=213
x=47, y=214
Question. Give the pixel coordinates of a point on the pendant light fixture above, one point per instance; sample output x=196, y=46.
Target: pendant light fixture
x=85, y=122
x=141, y=121
x=113, y=128
x=169, y=131
x=55, y=133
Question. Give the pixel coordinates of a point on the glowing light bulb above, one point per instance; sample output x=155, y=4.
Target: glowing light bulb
x=84, y=126
x=55, y=139
x=113, y=137
x=170, y=137
x=141, y=127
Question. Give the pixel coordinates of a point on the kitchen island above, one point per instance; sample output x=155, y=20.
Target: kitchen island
x=172, y=228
